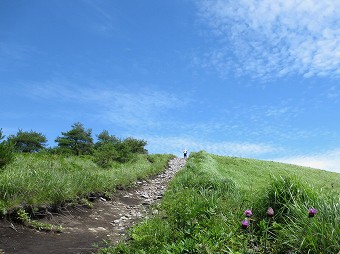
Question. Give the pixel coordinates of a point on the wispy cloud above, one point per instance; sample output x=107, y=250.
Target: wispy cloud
x=104, y=22
x=268, y=39
x=176, y=144
x=138, y=107
x=252, y=120
x=329, y=160
x=11, y=51
x=145, y=112
x=333, y=93
x=145, y=107
x=13, y=54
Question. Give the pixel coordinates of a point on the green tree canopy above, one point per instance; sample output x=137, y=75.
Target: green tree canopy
x=28, y=141
x=109, y=148
x=78, y=140
x=105, y=138
x=135, y=145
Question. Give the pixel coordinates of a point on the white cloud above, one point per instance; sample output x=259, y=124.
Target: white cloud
x=329, y=161
x=333, y=93
x=267, y=39
x=138, y=107
x=14, y=54
x=144, y=107
x=103, y=21
x=176, y=144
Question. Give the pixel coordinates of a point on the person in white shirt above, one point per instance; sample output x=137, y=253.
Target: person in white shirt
x=185, y=153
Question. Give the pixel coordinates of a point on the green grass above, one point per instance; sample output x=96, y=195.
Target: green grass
x=40, y=179
x=204, y=205
x=251, y=174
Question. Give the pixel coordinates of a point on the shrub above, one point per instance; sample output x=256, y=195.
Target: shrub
x=105, y=155
x=6, y=152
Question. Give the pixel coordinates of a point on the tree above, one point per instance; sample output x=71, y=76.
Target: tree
x=135, y=145
x=106, y=149
x=78, y=140
x=109, y=149
x=104, y=138
x=28, y=142
x=6, y=151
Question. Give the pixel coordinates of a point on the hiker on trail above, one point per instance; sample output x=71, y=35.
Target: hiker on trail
x=185, y=153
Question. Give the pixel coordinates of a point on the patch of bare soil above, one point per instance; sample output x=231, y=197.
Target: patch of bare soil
x=85, y=229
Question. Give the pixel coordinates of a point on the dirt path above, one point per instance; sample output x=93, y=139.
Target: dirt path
x=82, y=227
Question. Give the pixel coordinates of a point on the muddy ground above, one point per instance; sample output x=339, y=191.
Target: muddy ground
x=85, y=229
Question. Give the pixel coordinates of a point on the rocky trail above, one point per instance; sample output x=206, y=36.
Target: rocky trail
x=85, y=229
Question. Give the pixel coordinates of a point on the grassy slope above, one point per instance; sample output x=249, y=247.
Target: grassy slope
x=204, y=204
x=251, y=174
x=37, y=179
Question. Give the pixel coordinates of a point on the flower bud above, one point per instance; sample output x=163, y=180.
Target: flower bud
x=245, y=224
x=248, y=213
x=270, y=212
x=312, y=212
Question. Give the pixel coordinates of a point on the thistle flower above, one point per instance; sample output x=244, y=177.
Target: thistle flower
x=270, y=212
x=245, y=224
x=248, y=213
x=312, y=212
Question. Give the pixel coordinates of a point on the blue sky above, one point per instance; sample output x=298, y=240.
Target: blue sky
x=255, y=79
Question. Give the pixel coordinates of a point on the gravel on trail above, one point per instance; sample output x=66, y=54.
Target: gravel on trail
x=85, y=229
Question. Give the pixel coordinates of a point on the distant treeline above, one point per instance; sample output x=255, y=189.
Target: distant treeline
x=77, y=141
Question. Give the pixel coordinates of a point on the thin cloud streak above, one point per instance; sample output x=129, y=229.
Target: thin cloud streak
x=271, y=39
x=145, y=112
x=142, y=107
x=12, y=54
x=329, y=161
x=105, y=22
x=176, y=144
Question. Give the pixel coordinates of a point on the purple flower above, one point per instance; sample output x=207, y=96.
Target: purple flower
x=248, y=213
x=245, y=224
x=270, y=212
x=312, y=212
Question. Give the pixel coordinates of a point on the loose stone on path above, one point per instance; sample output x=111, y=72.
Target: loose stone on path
x=135, y=201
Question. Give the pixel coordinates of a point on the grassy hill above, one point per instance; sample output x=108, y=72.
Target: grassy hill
x=203, y=210
x=251, y=174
